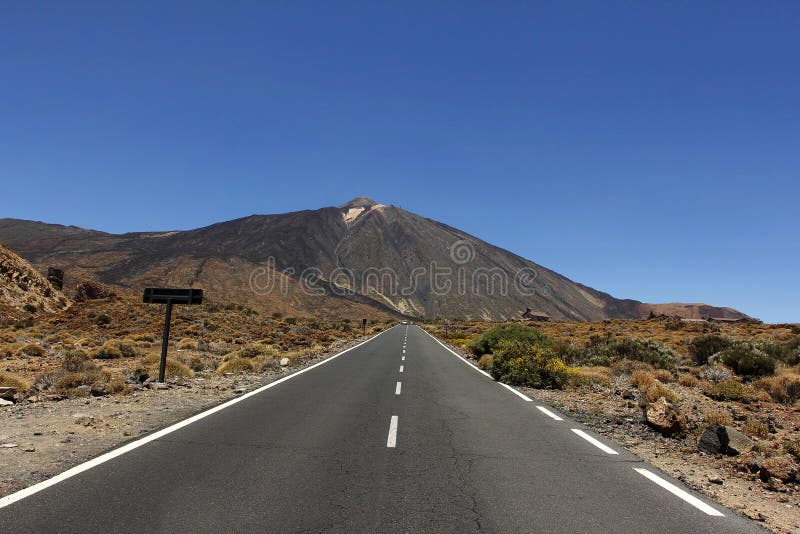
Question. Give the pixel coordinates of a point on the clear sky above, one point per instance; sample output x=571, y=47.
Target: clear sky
x=648, y=149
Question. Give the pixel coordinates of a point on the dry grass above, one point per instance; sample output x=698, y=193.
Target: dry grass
x=31, y=349
x=656, y=390
x=687, y=380
x=236, y=365
x=664, y=376
x=486, y=362
x=784, y=389
x=718, y=417
x=757, y=428
x=641, y=379
x=10, y=381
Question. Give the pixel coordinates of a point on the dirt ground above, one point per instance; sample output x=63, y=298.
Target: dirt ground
x=41, y=439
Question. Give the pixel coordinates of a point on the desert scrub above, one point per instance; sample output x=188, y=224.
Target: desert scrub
x=489, y=341
x=731, y=390
x=236, y=365
x=718, y=417
x=784, y=389
x=756, y=428
x=102, y=380
x=115, y=348
x=641, y=378
x=605, y=351
x=702, y=348
x=524, y=364
x=31, y=349
x=252, y=351
x=174, y=368
x=687, y=380
x=485, y=362
x=746, y=358
x=652, y=392
x=592, y=375
x=664, y=376
x=10, y=381
x=187, y=344
x=74, y=360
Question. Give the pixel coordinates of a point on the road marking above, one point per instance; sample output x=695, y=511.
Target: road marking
x=549, y=414
x=397, y=388
x=103, y=458
x=403, y=359
x=675, y=490
x=594, y=442
x=392, y=440
x=514, y=391
x=401, y=368
x=458, y=355
x=404, y=351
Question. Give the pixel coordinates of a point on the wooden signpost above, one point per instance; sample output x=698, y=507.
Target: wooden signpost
x=169, y=296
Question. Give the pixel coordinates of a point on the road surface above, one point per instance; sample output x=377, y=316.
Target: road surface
x=396, y=435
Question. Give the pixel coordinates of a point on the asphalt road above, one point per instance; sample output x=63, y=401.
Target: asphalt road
x=343, y=448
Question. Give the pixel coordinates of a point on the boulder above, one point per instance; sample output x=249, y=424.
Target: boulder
x=284, y=362
x=782, y=468
x=721, y=439
x=7, y=393
x=4, y=402
x=665, y=417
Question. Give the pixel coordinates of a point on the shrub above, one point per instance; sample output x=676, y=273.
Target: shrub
x=524, y=364
x=187, y=344
x=10, y=381
x=731, y=390
x=664, y=376
x=641, y=378
x=102, y=318
x=236, y=365
x=628, y=367
x=31, y=349
x=719, y=418
x=115, y=348
x=485, y=362
x=792, y=447
x=173, y=367
x=606, y=351
x=687, y=380
x=746, y=359
x=70, y=381
x=783, y=389
x=593, y=375
x=489, y=341
x=757, y=428
x=652, y=392
x=703, y=347
x=718, y=374
x=147, y=338
x=76, y=360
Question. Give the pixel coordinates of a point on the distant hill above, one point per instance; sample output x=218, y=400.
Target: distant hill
x=356, y=259
x=23, y=291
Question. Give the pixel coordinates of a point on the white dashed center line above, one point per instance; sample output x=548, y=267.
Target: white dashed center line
x=392, y=440
x=397, y=388
x=401, y=368
x=403, y=359
x=590, y=439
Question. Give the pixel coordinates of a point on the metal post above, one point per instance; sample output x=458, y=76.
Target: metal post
x=165, y=342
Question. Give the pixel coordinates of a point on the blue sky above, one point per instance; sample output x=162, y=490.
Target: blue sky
x=648, y=149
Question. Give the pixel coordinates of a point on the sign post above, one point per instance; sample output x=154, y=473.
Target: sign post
x=169, y=296
x=364, y=324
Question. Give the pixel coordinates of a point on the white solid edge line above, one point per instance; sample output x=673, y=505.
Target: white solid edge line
x=397, y=388
x=549, y=414
x=401, y=368
x=675, y=490
x=515, y=392
x=594, y=442
x=481, y=371
x=391, y=441
x=103, y=458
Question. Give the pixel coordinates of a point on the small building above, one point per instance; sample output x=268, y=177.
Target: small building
x=531, y=315
x=728, y=319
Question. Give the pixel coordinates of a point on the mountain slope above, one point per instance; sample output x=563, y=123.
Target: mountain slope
x=346, y=259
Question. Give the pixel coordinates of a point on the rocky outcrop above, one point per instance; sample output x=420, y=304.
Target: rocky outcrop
x=782, y=468
x=665, y=417
x=721, y=439
x=23, y=291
